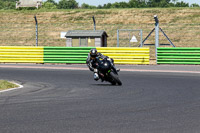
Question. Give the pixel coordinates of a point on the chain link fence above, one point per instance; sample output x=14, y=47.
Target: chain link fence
x=23, y=34
x=129, y=38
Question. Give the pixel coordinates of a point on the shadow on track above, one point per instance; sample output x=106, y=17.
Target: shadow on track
x=105, y=85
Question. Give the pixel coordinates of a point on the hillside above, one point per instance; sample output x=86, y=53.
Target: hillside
x=182, y=25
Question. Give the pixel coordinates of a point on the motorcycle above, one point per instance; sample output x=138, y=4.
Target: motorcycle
x=106, y=71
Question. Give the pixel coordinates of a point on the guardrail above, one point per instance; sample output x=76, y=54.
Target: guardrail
x=123, y=55
x=182, y=55
x=66, y=54
x=13, y=54
x=75, y=55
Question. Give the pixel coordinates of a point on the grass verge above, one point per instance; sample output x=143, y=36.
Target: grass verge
x=6, y=85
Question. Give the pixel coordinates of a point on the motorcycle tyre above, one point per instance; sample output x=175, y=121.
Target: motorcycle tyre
x=115, y=78
x=113, y=83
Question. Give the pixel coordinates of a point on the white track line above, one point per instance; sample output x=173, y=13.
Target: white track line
x=20, y=86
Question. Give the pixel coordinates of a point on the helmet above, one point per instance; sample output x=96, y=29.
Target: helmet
x=93, y=52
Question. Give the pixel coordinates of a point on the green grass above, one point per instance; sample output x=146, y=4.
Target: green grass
x=6, y=85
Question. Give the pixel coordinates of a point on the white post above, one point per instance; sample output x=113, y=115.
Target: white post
x=157, y=34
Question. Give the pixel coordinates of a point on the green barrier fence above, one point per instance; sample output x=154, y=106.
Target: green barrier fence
x=182, y=55
x=66, y=54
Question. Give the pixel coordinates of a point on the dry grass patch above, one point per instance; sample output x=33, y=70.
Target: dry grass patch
x=182, y=25
x=6, y=85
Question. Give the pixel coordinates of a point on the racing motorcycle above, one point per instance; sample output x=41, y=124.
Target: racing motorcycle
x=107, y=72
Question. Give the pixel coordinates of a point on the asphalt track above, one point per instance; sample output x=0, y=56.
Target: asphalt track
x=152, y=99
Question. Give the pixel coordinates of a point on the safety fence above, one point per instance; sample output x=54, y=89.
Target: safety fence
x=66, y=54
x=122, y=55
x=181, y=55
x=21, y=54
x=14, y=54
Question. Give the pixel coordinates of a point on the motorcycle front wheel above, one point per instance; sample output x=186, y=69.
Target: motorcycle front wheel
x=115, y=78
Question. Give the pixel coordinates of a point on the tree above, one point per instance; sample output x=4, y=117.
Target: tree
x=49, y=5
x=99, y=6
x=143, y=3
x=195, y=5
x=133, y=3
x=1, y=4
x=51, y=1
x=115, y=5
x=182, y=4
x=164, y=3
x=85, y=6
x=9, y=4
x=174, y=1
x=67, y=4
x=137, y=3
x=107, y=6
x=123, y=5
x=158, y=3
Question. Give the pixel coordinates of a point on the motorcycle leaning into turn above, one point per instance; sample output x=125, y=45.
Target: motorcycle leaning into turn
x=107, y=71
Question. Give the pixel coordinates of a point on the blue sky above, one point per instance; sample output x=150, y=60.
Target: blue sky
x=101, y=2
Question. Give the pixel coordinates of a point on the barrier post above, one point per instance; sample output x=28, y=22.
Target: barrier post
x=141, y=43
x=36, y=27
x=94, y=23
x=157, y=34
x=117, y=38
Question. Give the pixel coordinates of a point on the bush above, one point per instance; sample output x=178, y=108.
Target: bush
x=48, y=5
x=67, y=4
x=7, y=5
x=195, y=5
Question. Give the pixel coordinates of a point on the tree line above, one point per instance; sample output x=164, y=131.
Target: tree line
x=72, y=4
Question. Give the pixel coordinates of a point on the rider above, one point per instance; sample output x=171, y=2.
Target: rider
x=91, y=61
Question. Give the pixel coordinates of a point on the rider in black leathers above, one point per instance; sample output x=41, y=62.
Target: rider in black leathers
x=92, y=60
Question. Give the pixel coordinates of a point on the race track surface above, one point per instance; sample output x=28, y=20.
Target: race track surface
x=70, y=101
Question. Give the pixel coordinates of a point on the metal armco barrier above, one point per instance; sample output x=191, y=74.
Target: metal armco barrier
x=14, y=54
x=66, y=54
x=126, y=55
x=75, y=55
x=182, y=55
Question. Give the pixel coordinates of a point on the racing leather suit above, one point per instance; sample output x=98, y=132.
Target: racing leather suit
x=92, y=61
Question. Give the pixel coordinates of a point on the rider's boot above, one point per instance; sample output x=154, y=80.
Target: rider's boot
x=96, y=75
